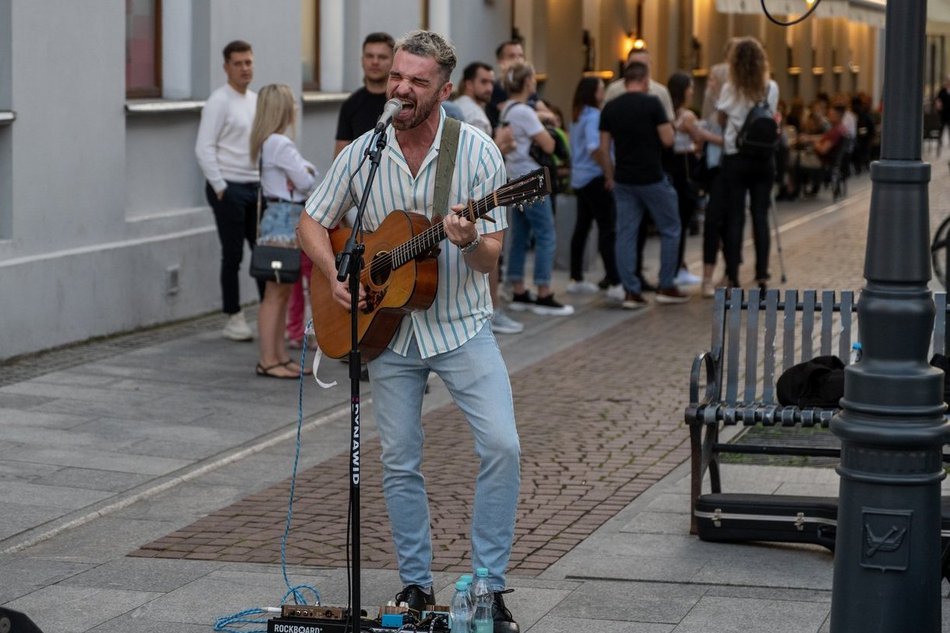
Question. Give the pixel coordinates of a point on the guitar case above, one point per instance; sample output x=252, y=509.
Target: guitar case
x=737, y=517
x=757, y=517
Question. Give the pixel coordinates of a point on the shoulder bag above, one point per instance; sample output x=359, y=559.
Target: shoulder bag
x=275, y=257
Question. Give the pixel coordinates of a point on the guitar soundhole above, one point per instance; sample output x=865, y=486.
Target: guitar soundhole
x=380, y=268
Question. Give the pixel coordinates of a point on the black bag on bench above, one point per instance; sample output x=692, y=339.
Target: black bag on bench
x=818, y=382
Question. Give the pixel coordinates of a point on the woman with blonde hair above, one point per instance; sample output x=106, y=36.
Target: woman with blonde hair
x=286, y=180
x=748, y=85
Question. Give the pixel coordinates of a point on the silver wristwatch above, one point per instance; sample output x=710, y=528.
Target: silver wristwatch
x=471, y=246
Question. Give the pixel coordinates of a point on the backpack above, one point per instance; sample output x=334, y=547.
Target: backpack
x=759, y=135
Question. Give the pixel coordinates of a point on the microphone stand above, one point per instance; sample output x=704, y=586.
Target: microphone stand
x=349, y=266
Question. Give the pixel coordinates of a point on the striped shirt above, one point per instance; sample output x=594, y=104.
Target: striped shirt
x=462, y=304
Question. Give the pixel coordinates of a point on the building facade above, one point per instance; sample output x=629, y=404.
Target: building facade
x=103, y=222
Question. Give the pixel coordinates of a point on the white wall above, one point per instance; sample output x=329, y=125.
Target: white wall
x=96, y=204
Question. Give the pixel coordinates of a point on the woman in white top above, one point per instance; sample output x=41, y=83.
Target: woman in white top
x=286, y=180
x=537, y=218
x=748, y=84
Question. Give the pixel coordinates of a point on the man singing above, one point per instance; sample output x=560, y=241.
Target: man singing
x=452, y=338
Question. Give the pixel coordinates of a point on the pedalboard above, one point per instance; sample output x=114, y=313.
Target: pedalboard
x=324, y=619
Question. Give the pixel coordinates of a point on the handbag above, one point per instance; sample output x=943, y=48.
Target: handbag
x=275, y=257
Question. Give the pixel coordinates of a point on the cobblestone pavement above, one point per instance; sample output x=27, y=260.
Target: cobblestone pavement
x=600, y=422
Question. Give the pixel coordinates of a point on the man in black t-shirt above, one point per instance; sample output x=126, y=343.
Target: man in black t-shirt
x=637, y=124
x=362, y=109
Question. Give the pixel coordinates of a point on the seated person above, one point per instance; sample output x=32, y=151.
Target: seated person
x=820, y=150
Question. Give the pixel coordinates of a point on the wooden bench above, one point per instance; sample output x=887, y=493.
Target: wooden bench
x=755, y=338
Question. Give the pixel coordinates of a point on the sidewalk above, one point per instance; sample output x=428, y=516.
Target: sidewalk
x=119, y=456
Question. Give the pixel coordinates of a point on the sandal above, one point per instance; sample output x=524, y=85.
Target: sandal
x=268, y=372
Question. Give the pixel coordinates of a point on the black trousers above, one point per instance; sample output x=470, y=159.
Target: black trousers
x=235, y=215
x=595, y=204
x=742, y=175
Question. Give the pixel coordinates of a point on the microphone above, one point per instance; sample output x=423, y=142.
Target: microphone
x=390, y=110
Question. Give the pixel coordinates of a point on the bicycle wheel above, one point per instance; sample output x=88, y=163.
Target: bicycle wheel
x=939, y=252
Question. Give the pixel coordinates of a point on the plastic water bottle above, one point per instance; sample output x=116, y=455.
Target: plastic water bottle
x=484, y=601
x=468, y=579
x=460, y=611
x=856, y=350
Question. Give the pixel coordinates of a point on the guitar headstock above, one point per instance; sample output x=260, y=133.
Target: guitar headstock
x=529, y=188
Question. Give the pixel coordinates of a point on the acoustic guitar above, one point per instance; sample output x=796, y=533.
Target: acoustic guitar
x=400, y=272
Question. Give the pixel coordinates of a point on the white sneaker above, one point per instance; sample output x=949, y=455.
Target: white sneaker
x=686, y=278
x=616, y=293
x=501, y=323
x=547, y=306
x=236, y=328
x=582, y=287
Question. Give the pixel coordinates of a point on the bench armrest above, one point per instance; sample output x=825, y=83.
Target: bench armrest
x=707, y=360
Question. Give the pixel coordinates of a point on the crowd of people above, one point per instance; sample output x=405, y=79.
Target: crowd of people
x=636, y=156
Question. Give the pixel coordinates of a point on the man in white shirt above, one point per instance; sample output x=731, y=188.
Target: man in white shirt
x=224, y=154
x=478, y=81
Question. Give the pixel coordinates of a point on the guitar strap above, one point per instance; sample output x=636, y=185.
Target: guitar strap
x=448, y=147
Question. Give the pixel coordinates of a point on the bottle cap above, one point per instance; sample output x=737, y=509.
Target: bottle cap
x=461, y=586
x=482, y=572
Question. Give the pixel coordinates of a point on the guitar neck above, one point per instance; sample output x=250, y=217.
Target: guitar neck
x=433, y=236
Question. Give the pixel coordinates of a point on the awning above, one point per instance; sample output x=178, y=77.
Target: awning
x=866, y=11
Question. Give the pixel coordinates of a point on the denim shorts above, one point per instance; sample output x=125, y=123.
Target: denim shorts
x=279, y=224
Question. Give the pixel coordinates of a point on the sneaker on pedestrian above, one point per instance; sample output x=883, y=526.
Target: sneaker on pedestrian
x=547, y=306
x=633, y=301
x=504, y=622
x=501, y=323
x=521, y=301
x=616, y=293
x=671, y=295
x=581, y=287
x=236, y=328
x=686, y=278
x=708, y=289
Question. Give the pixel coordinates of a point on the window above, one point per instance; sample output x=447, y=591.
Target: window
x=310, y=44
x=143, y=48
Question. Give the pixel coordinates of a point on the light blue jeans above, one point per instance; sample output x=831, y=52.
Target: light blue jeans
x=477, y=379
x=659, y=200
x=537, y=219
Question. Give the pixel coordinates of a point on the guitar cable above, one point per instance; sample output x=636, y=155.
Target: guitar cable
x=253, y=616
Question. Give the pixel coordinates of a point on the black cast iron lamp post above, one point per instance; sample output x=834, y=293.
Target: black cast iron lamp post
x=892, y=429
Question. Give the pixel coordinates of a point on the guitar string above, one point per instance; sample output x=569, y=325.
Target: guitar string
x=428, y=238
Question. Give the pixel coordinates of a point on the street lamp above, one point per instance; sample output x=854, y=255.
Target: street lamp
x=887, y=556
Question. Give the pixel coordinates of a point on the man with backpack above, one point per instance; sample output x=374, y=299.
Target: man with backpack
x=746, y=108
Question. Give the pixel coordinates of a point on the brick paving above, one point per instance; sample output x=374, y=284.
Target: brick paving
x=599, y=422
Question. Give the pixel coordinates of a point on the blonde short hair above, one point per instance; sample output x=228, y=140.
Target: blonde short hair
x=516, y=76
x=430, y=44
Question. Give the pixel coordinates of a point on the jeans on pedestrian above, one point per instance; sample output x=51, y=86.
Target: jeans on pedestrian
x=595, y=204
x=476, y=377
x=633, y=201
x=743, y=176
x=235, y=215
x=537, y=219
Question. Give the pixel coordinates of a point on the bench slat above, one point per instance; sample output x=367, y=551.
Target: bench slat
x=788, y=334
x=808, y=325
x=844, y=340
x=768, y=342
x=751, y=343
x=827, y=320
x=734, y=325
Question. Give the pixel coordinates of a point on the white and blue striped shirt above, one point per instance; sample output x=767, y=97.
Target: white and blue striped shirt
x=462, y=304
